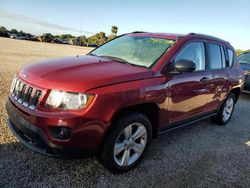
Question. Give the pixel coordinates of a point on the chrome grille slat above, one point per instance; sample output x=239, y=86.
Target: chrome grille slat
x=25, y=94
x=16, y=89
x=22, y=90
x=27, y=97
x=13, y=85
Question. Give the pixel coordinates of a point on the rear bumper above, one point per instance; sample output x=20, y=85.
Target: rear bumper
x=36, y=140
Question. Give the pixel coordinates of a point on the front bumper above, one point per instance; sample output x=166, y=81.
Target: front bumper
x=37, y=140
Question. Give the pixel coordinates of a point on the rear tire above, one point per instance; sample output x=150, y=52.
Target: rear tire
x=127, y=143
x=226, y=110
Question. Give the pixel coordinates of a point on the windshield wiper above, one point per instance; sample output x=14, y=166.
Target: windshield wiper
x=115, y=58
x=121, y=60
x=91, y=54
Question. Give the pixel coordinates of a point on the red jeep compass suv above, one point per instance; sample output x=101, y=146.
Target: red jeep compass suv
x=113, y=101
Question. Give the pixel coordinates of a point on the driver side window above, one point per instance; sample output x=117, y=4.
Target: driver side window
x=195, y=51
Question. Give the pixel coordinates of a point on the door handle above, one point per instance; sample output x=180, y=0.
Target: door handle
x=204, y=79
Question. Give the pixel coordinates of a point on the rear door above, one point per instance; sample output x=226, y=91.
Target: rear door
x=219, y=66
x=191, y=94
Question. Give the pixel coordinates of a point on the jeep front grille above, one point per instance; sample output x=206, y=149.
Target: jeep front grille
x=25, y=94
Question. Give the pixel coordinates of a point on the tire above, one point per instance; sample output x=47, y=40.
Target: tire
x=129, y=145
x=226, y=110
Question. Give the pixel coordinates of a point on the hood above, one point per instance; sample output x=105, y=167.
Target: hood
x=80, y=73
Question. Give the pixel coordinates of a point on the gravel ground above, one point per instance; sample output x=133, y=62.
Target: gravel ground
x=199, y=155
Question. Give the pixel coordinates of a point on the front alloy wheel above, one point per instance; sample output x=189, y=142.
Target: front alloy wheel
x=130, y=144
x=126, y=142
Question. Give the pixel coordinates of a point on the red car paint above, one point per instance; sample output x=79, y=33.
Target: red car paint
x=116, y=86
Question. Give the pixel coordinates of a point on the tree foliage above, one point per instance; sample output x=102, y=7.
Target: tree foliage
x=94, y=40
x=46, y=37
x=14, y=31
x=238, y=52
x=65, y=37
x=3, y=32
x=3, y=29
x=114, y=31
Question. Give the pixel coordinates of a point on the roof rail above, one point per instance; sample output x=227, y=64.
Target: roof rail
x=191, y=34
x=209, y=37
x=139, y=32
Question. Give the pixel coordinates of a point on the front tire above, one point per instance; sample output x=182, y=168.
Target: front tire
x=225, y=113
x=127, y=143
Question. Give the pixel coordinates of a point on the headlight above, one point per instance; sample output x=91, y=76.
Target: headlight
x=68, y=101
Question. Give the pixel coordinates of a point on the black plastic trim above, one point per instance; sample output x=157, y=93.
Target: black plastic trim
x=187, y=122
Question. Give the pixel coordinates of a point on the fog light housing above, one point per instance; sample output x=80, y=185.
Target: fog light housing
x=62, y=133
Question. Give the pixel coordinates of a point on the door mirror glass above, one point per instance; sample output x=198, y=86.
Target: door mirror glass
x=184, y=65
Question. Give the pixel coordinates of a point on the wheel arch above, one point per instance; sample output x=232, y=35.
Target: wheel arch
x=150, y=109
x=236, y=92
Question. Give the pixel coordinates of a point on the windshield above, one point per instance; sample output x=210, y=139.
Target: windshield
x=135, y=50
x=245, y=58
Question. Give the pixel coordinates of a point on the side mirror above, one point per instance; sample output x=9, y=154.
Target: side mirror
x=184, y=65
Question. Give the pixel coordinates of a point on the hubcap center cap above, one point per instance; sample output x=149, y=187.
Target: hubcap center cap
x=129, y=143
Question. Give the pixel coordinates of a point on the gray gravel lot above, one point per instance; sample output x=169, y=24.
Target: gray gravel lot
x=199, y=155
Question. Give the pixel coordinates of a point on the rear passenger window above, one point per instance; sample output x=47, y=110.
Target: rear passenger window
x=216, y=58
x=230, y=57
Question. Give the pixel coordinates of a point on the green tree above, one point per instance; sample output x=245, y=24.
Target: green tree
x=93, y=39
x=66, y=37
x=22, y=33
x=98, y=39
x=3, y=29
x=102, y=38
x=77, y=41
x=114, y=31
x=84, y=40
x=46, y=37
x=238, y=52
x=14, y=31
x=3, y=32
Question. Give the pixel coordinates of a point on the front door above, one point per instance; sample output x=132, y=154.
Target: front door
x=191, y=94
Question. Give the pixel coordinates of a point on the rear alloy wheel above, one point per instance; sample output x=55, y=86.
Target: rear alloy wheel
x=126, y=143
x=226, y=111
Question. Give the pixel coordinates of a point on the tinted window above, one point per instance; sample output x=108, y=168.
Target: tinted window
x=230, y=56
x=194, y=52
x=215, y=56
